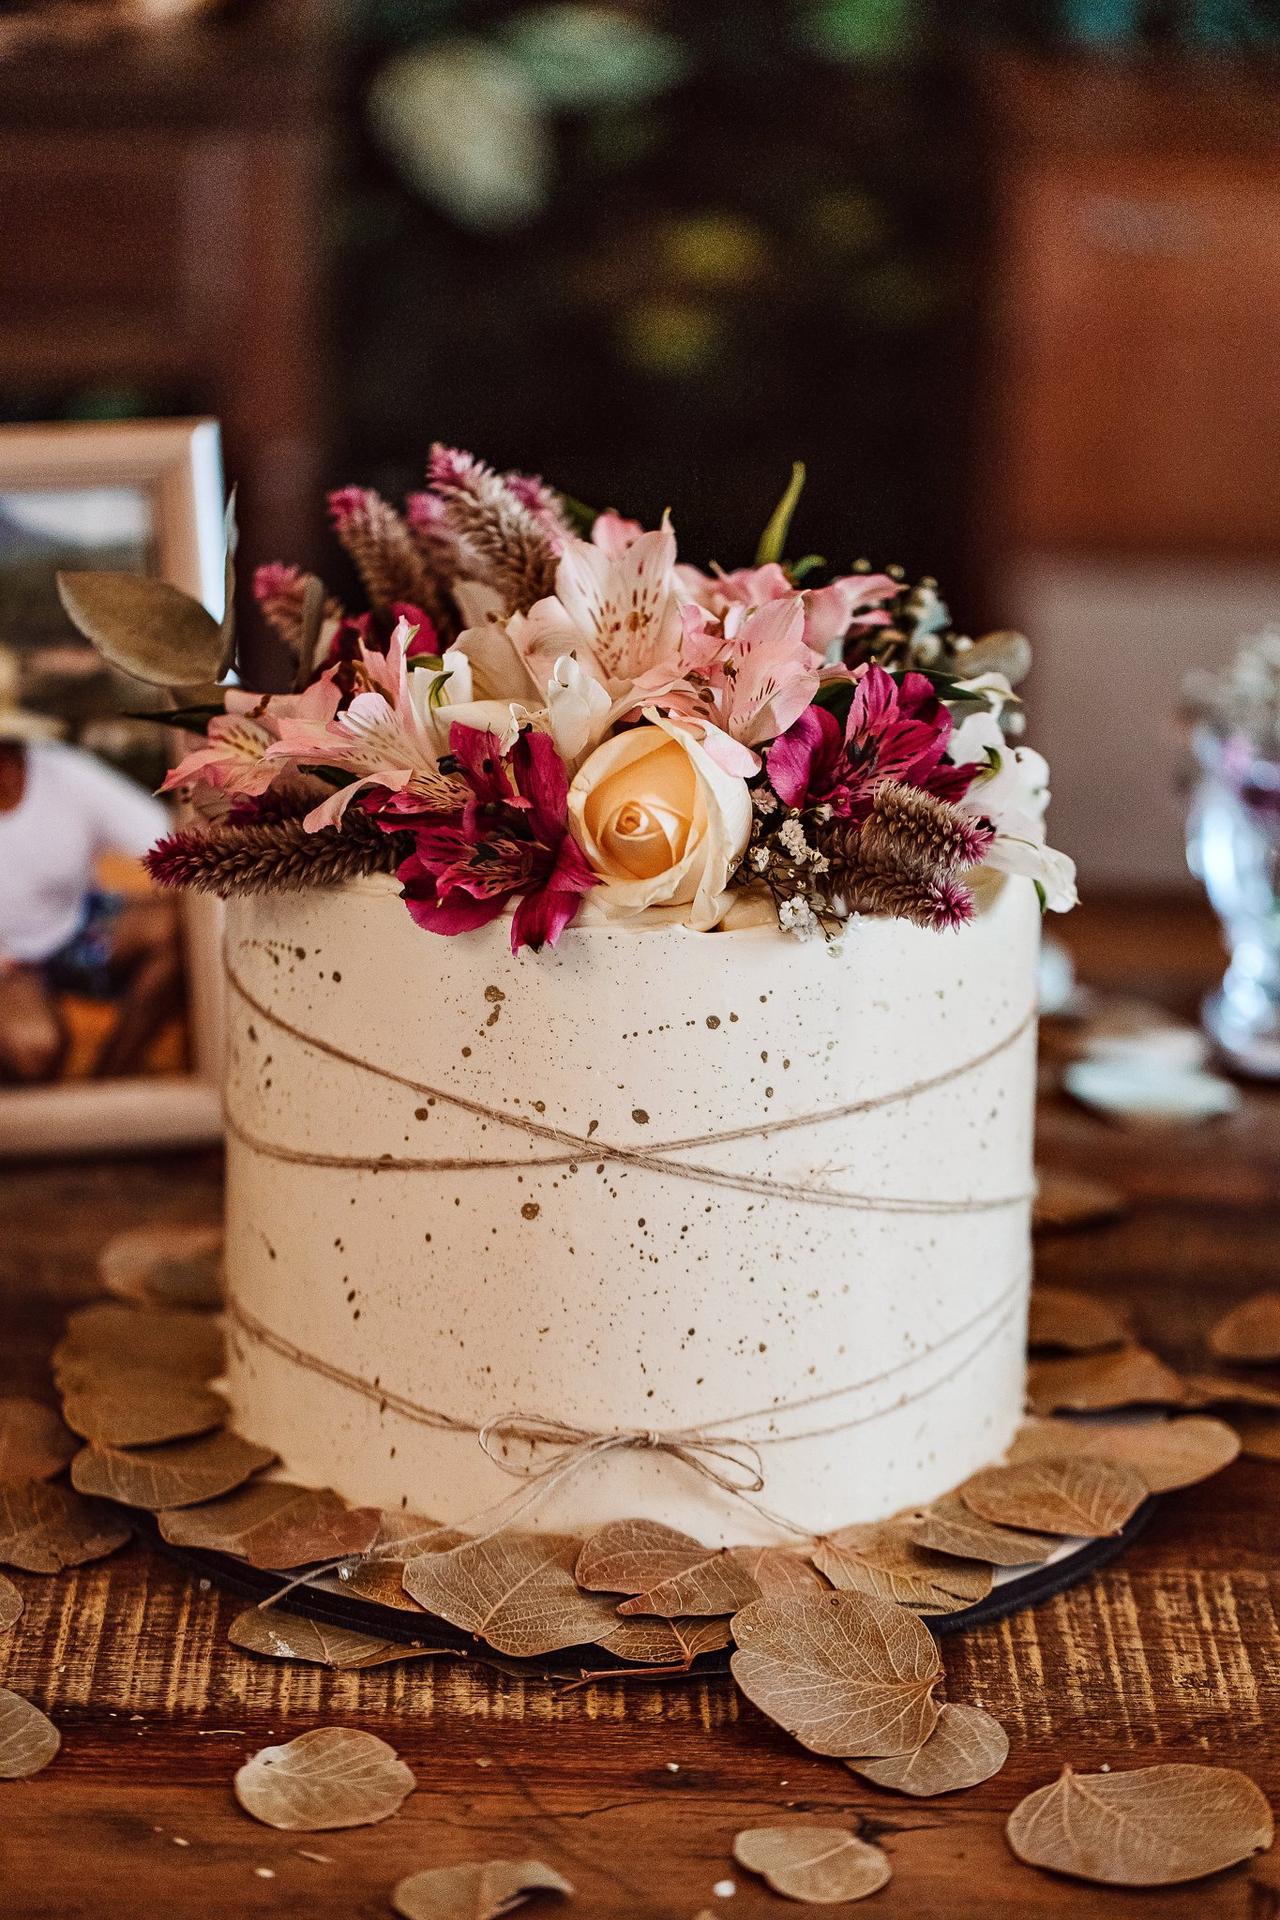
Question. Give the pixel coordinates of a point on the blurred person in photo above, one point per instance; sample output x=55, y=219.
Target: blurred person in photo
x=62, y=933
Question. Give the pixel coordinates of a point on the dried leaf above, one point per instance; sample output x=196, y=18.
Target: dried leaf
x=1081, y=1498
x=966, y=1747
x=1091, y=1382
x=1152, y=1827
x=884, y=1560
x=1259, y=1435
x=274, y=1525
x=165, y=1266
x=515, y=1591
x=844, y=1673
x=44, y=1529
x=715, y=1583
x=1071, y=1200
x=291, y=1636
x=781, y=1573
x=1166, y=1453
x=11, y=1603
x=949, y=1527
x=476, y=1891
x=1250, y=1331
x=137, y=1407
x=28, y=1738
x=177, y=1475
x=1220, y=1390
x=819, y=1865
x=1072, y=1321
x=146, y=627
x=653, y=1642
x=380, y=1577
x=110, y=1336
x=330, y=1777
x=34, y=1444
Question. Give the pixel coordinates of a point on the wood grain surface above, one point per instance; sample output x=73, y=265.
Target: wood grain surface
x=635, y=1789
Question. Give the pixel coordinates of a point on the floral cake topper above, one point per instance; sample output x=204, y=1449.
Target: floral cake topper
x=541, y=708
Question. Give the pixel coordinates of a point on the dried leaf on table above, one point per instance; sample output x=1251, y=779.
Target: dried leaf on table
x=291, y=1636
x=475, y=1891
x=714, y=1582
x=34, y=1444
x=883, y=1559
x=1166, y=1453
x=108, y=1334
x=1073, y=1200
x=1094, y=1382
x=28, y=1738
x=1079, y=1498
x=11, y=1603
x=165, y=1266
x=177, y=1475
x=949, y=1527
x=818, y=1865
x=781, y=1573
x=667, y=1573
x=330, y=1777
x=630, y=1556
x=274, y=1525
x=380, y=1576
x=1152, y=1827
x=844, y=1673
x=138, y=1407
x=652, y=1641
x=515, y=1591
x=966, y=1747
x=44, y=1529
x=1073, y=1322
x=1250, y=1332
x=1220, y=1390
x=1259, y=1434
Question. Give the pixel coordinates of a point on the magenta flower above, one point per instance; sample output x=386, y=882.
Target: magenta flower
x=511, y=837
x=895, y=730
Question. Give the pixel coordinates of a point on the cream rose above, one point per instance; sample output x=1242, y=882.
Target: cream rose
x=660, y=823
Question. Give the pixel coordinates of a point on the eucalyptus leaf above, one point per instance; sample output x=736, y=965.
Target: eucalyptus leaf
x=146, y=627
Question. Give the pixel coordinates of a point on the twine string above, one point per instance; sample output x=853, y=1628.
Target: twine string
x=576, y=1147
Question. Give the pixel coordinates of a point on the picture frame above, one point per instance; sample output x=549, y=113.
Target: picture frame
x=173, y=470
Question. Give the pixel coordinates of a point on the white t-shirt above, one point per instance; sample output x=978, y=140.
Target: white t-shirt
x=73, y=809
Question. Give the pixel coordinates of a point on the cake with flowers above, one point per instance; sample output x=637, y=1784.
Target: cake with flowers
x=685, y=1173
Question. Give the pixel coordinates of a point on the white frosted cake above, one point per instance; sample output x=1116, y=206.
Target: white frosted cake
x=846, y=1290
x=632, y=975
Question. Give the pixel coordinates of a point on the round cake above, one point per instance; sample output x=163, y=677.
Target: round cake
x=721, y=1229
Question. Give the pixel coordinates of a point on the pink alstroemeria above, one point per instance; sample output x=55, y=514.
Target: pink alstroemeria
x=385, y=736
x=851, y=604
x=615, y=608
x=739, y=684
x=510, y=839
x=236, y=755
x=895, y=730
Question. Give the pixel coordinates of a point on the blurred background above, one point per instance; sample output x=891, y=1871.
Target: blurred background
x=1004, y=273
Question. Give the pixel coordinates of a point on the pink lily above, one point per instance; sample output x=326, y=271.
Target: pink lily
x=236, y=757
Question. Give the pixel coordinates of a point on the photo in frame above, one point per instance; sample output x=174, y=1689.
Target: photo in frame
x=110, y=993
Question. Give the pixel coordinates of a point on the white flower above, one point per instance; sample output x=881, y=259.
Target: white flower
x=660, y=823
x=578, y=709
x=1012, y=791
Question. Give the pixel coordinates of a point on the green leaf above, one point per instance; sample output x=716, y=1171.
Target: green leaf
x=580, y=516
x=801, y=569
x=194, y=719
x=773, y=540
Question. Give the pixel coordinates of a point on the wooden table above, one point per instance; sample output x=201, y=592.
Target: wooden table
x=636, y=1789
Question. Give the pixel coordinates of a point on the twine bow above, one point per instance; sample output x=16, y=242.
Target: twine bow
x=735, y=1466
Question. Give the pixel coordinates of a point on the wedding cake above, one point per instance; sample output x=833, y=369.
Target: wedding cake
x=686, y=1173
